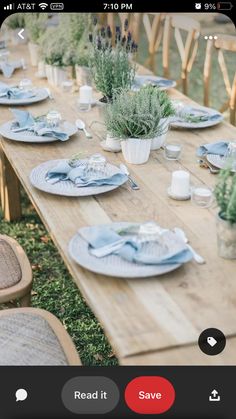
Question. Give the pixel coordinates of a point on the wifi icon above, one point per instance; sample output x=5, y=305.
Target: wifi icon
x=43, y=5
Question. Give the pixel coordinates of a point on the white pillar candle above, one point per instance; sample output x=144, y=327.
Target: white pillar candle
x=180, y=183
x=85, y=94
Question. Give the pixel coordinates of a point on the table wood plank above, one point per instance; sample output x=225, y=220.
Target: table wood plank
x=149, y=316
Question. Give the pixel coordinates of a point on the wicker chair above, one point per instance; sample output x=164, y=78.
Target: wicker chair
x=31, y=336
x=15, y=272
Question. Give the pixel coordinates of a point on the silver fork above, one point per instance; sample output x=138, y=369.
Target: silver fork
x=125, y=170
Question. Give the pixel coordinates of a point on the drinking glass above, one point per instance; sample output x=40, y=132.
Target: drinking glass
x=53, y=119
x=202, y=196
x=96, y=166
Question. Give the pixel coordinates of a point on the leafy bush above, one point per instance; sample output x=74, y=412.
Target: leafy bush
x=36, y=25
x=137, y=114
x=225, y=193
x=111, y=67
x=16, y=21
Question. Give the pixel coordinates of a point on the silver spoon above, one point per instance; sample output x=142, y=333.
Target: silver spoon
x=81, y=125
x=198, y=258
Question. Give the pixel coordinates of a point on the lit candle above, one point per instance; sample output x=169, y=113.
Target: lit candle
x=180, y=183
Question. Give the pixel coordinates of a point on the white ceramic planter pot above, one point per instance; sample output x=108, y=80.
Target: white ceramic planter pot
x=34, y=53
x=136, y=151
x=49, y=73
x=83, y=76
x=113, y=143
x=59, y=75
x=226, y=238
x=158, y=142
x=41, y=73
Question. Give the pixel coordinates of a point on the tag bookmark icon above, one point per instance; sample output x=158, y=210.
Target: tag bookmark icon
x=211, y=341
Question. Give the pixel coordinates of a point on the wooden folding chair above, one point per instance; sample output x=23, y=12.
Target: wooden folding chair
x=221, y=44
x=187, y=50
x=153, y=26
x=15, y=272
x=31, y=336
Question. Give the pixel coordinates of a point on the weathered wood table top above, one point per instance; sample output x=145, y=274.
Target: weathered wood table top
x=148, y=321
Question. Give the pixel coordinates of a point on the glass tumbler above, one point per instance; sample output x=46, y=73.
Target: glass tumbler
x=96, y=167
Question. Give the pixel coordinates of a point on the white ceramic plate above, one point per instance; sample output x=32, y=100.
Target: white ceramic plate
x=113, y=265
x=217, y=161
x=160, y=82
x=197, y=111
x=29, y=137
x=66, y=187
x=40, y=94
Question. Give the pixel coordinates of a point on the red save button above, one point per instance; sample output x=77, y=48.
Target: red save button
x=149, y=395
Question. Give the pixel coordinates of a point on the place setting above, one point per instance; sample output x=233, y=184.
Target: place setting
x=41, y=129
x=187, y=116
x=131, y=250
x=160, y=82
x=22, y=94
x=78, y=176
x=8, y=67
x=218, y=155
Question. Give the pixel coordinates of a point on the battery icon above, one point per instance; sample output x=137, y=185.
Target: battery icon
x=224, y=5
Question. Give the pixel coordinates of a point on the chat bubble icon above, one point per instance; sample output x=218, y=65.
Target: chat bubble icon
x=21, y=395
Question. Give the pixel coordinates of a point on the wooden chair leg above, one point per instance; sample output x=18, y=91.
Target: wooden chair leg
x=10, y=190
x=185, y=83
x=26, y=300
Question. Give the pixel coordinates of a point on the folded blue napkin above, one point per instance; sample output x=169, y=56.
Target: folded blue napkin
x=220, y=148
x=14, y=92
x=9, y=68
x=23, y=119
x=132, y=250
x=78, y=175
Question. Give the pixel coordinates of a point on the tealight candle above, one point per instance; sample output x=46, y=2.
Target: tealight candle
x=180, y=183
x=25, y=83
x=172, y=151
x=85, y=98
x=202, y=196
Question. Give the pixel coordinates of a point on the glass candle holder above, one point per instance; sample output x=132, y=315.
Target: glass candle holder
x=172, y=151
x=96, y=166
x=85, y=98
x=53, y=119
x=202, y=196
x=67, y=86
x=149, y=231
x=25, y=84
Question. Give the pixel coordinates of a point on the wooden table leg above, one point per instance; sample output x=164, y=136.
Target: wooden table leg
x=10, y=190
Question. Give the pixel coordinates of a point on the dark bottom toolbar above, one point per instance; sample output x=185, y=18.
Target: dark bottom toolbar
x=118, y=392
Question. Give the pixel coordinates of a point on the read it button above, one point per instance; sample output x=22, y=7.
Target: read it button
x=150, y=395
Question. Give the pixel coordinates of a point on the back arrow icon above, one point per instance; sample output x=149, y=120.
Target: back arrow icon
x=20, y=33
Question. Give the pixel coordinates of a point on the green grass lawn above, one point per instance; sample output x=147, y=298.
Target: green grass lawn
x=53, y=287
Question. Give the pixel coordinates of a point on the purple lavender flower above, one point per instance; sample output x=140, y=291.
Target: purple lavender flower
x=90, y=37
x=95, y=20
x=126, y=25
x=109, y=33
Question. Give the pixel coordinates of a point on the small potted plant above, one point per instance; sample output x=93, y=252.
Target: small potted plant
x=134, y=119
x=225, y=193
x=110, y=60
x=14, y=23
x=35, y=24
x=167, y=110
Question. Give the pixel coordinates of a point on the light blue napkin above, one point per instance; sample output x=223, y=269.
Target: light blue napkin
x=78, y=175
x=23, y=119
x=220, y=148
x=14, y=92
x=9, y=68
x=99, y=236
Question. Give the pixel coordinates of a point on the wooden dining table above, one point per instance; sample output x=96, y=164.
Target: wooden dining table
x=154, y=320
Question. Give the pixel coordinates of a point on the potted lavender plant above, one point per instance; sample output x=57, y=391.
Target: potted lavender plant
x=110, y=63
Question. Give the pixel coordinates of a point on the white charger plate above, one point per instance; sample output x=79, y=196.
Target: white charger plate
x=217, y=161
x=40, y=94
x=162, y=83
x=113, y=265
x=30, y=137
x=67, y=187
x=197, y=110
